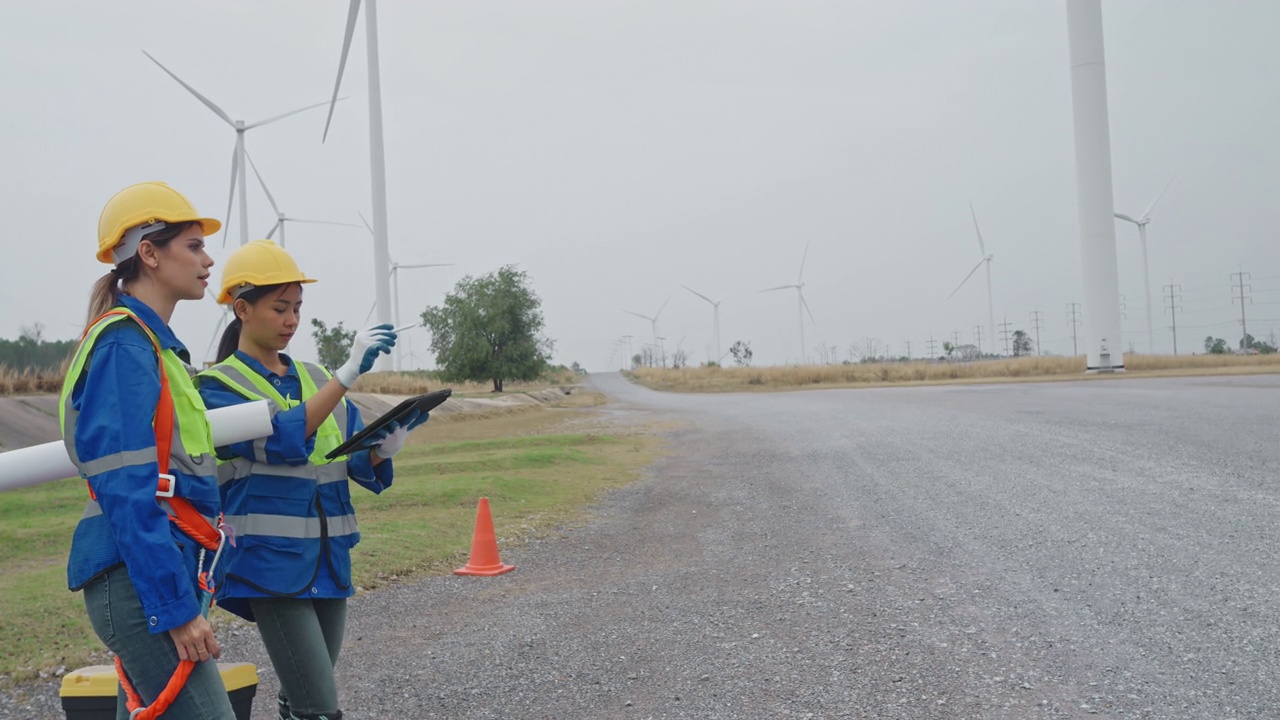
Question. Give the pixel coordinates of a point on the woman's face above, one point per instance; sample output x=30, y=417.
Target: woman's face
x=271, y=322
x=182, y=266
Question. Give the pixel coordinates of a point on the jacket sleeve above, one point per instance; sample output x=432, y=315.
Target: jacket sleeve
x=116, y=445
x=360, y=467
x=287, y=444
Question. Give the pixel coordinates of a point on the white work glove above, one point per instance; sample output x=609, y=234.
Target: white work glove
x=392, y=443
x=369, y=343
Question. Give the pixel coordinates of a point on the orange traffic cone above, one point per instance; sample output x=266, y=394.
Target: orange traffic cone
x=484, y=547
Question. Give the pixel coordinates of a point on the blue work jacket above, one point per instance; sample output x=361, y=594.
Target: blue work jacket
x=293, y=534
x=114, y=401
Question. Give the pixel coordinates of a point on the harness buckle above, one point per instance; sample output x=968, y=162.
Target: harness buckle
x=166, y=486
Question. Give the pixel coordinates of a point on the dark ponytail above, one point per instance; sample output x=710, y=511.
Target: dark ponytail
x=230, y=341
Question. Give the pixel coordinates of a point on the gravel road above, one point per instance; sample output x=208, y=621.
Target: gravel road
x=1052, y=550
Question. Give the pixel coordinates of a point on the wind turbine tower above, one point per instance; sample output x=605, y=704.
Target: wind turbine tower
x=986, y=260
x=377, y=159
x=715, y=315
x=1141, y=222
x=1095, y=207
x=802, y=306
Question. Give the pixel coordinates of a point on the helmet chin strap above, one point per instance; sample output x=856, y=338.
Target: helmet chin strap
x=128, y=246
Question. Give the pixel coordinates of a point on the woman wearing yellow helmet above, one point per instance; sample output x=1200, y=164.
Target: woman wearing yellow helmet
x=290, y=505
x=130, y=415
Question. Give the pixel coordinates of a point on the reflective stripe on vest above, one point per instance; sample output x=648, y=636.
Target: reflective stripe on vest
x=192, y=450
x=288, y=526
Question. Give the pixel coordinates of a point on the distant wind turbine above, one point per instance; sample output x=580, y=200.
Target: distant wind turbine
x=802, y=305
x=653, y=321
x=281, y=218
x=238, y=155
x=715, y=314
x=986, y=260
x=1141, y=222
x=394, y=276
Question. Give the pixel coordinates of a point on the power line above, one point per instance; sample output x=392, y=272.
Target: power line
x=977, y=333
x=1004, y=330
x=1073, y=314
x=1172, y=299
x=933, y=348
x=1036, y=321
x=1238, y=283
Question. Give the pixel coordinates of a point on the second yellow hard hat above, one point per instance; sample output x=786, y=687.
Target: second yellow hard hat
x=258, y=263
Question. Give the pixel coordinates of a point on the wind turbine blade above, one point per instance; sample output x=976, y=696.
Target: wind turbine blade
x=322, y=222
x=645, y=317
x=366, y=222
x=208, y=103
x=258, y=175
x=370, y=313
x=426, y=265
x=780, y=287
x=966, y=278
x=231, y=195
x=273, y=229
x=285, y=115
x=664, y=306
x=695, y=292
x=352, y=13
x=981, y=245
x=1122, y=216
x=802, y=259
x=806, y=306
x=1146, y=214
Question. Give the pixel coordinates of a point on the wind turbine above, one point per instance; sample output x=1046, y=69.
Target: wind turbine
x=394, y=275
x=377, y=160
x=1141, y=222
x=237, y=156
x=986, y=260
x=281, y=218
x=715, y=313
x=803, y=306
x=653, y=321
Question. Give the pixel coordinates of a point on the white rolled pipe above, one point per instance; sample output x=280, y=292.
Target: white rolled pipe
x=48, y=462
x=1096, y=204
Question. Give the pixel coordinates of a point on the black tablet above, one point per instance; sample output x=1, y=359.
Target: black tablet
x=422, y=403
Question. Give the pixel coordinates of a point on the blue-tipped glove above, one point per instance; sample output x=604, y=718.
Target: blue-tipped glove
x=369, y=343
x=388, y=441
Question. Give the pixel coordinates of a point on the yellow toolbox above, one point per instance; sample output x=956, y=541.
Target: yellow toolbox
x=90, y=693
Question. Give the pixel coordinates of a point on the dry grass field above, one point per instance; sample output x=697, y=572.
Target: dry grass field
x=1030, y=369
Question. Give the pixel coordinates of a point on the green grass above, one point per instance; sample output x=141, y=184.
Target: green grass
x=422, y=524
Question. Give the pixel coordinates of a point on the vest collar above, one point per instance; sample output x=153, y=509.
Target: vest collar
x=167, y=339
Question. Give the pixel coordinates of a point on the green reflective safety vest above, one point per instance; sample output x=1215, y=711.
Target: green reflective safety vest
x=241, y=378
x=191, y=459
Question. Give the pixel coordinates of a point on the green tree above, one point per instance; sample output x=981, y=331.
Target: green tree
x=31, y=351
x=1022, y=344
x=490, y=329
x=332, y=344
x=1215, y=346
x=741, y=352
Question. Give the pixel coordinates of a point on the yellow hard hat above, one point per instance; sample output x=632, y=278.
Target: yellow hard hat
x=143, y=204
x=258, y=263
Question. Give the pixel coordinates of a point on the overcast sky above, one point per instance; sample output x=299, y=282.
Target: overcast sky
x=615, y=150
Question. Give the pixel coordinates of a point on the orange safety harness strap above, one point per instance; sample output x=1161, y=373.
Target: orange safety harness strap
x=187, y=518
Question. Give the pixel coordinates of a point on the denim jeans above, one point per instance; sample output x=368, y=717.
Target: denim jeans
x=149, y=660
x=303, y=638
